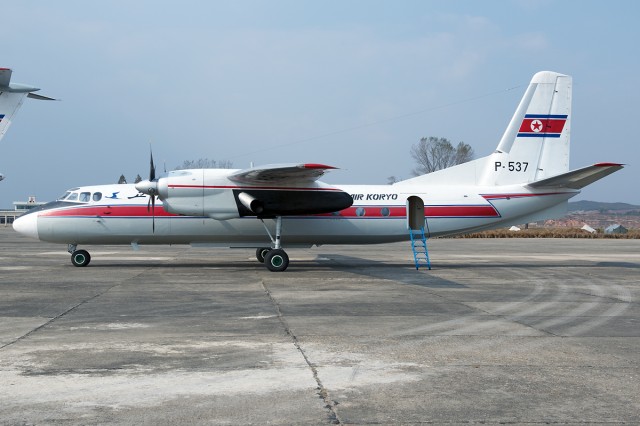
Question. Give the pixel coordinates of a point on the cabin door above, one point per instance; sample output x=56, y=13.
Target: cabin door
x=416, y=219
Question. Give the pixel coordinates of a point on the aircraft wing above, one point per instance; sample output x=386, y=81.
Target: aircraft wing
x=266, y=196
x=281, y=173
x=579, y=178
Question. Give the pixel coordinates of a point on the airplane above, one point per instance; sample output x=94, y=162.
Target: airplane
x=525, y=179
x=11, y=97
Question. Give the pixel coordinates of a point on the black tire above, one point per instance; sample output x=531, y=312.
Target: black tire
x=261, y=253
x=80, y=258
x=276, y=260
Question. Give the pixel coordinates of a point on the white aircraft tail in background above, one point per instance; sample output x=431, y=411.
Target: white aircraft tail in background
x=11, y=97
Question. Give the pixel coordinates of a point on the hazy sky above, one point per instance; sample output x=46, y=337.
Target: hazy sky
x=353, y=84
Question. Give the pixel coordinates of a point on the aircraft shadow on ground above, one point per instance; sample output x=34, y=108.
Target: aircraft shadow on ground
x=403, y=273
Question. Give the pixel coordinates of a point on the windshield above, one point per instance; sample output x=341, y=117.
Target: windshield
x=75, y=195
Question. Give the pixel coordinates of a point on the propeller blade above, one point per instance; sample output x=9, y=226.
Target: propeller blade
x=152, y=167
x=153, y=214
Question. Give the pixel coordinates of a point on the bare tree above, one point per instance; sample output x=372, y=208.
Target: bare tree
x=225, y=164
x=392, y=179
x=138, y=179
x=205, y=163
x=433, y=154
x=122, y=180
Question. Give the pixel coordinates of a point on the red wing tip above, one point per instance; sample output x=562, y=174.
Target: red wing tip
x=5, y=69
x=608, y=165
x=317, y=166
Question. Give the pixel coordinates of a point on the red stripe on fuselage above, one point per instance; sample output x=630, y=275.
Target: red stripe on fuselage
x=107, y=211
x=522, y=195
x=368, y=211
x=282, y=188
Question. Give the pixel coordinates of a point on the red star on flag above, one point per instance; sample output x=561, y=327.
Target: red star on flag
x=536, y=125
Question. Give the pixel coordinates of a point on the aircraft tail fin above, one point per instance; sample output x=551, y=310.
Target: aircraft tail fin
x=534, y=146
x=536, y=143
x=11, y=97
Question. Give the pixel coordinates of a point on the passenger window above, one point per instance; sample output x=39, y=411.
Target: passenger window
x=73, y=196
x=97, y=196
x=85, y=197
x=360, y=211
x=384, y=211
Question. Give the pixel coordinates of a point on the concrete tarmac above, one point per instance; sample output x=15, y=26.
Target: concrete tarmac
x=520, y=331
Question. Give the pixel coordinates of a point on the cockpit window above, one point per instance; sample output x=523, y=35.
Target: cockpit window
x=85, y=196
x=97, y=196
x=72, y=197
x=66, y=194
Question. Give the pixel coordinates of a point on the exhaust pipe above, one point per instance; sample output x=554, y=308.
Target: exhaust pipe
x=251, y=203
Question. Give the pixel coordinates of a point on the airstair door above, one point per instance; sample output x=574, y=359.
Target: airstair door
x=416, y=219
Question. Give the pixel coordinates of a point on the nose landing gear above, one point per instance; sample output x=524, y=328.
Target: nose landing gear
x=79, y=258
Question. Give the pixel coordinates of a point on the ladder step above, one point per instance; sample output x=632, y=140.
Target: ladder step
x=419, y=248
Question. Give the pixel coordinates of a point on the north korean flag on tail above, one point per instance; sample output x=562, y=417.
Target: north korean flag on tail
x=542, y=126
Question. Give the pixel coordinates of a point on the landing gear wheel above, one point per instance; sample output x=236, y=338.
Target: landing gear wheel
x=80, y=258
x=276, y=260
x=261, y=253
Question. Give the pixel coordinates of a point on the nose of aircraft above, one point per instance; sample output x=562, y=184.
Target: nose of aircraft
x=27, y=225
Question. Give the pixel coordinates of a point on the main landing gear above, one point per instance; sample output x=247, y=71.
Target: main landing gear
x=275, y=259
x=79, y=257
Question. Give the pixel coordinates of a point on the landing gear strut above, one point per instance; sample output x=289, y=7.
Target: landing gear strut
x=276, y=259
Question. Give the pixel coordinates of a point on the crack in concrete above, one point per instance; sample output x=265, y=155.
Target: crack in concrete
x=57, y=317
x=322, y=391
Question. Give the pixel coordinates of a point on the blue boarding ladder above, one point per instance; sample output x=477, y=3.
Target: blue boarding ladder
x=419, y=247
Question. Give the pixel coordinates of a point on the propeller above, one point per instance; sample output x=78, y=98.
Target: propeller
x=150, y=187
x=152, y=167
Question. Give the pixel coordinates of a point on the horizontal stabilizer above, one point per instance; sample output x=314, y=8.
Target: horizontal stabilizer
x=578, y=179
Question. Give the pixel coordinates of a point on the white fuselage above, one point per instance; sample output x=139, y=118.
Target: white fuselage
x=119, y=214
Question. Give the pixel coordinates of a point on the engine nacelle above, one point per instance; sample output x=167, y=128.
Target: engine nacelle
x=184, y=192
x=209, y=192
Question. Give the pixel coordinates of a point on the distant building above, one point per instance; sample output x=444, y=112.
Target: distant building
x=615, y=229
x=27, y=205
x=19, y=207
